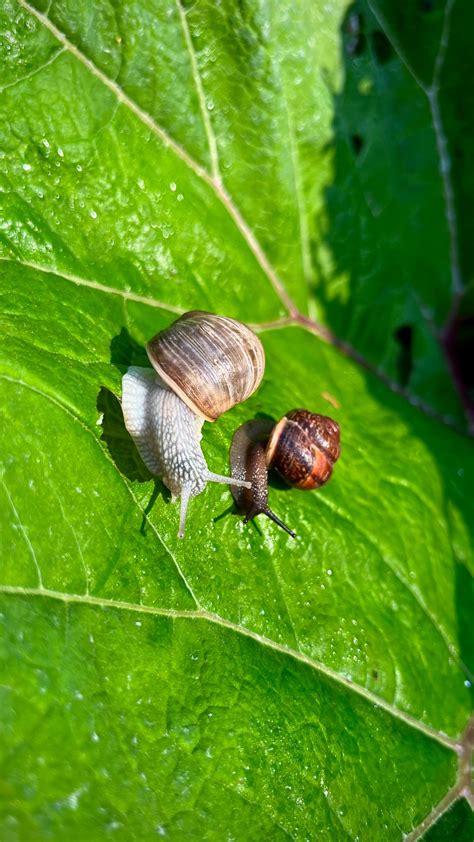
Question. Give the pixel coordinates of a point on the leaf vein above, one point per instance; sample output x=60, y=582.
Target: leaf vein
x=24, y=533
x=211, y=138
x=208, y=616
x=451, y=647
x=179, y=151
x=84, y=282
x=32, y=73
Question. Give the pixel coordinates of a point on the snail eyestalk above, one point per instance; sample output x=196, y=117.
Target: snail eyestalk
x=185, y=496
x=276, y=519
x=228, y=480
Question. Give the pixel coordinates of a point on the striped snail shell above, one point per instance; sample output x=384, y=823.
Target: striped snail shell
x=203, y=365
x=211, y=362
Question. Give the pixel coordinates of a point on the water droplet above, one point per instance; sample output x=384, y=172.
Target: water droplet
x=173, y=187
x=27, y=167
x=93, y=214
x=60, y=152
x=210, y=105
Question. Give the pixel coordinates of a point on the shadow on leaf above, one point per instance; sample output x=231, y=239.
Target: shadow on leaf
x=124, y=352
x=367, y=205
x=118, y=440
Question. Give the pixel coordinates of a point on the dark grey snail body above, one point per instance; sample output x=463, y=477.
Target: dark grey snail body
x=204, y=364
x=248, y=462
x=302, y=447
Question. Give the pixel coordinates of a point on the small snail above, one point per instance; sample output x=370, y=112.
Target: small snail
x=203, y=365
x=248, y=462
x=302, y=447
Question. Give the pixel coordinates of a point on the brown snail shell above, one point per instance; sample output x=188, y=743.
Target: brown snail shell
x=303, y=448
x=211, y=362
x=248, y=462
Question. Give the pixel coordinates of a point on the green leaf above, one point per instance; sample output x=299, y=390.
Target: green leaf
x=159, y=157
x=457, y=823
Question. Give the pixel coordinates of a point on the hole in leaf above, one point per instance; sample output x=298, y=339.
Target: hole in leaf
x=357, y=143
x=404, y=336
x=460, y=346
x=381, y=46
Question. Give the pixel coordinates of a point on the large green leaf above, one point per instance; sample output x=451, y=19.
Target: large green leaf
x=158, y=157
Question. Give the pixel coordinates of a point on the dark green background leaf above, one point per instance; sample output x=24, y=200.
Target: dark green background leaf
x=457, y=823
x=236, y=684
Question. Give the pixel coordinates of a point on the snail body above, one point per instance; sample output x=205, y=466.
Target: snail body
x=302, y=447
x=203, y=365
x=248, y=462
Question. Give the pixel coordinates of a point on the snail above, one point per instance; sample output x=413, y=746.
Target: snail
x=302, y=447
x=203, y=365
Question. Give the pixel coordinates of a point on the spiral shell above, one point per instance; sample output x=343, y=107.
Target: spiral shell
x=211, y=362
x=303, y=448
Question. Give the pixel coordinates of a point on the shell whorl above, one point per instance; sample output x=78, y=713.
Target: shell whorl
x=303, y=448
x=211, y=362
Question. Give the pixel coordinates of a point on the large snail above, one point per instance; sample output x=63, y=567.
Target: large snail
x=203, y=365
x=302, y=447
